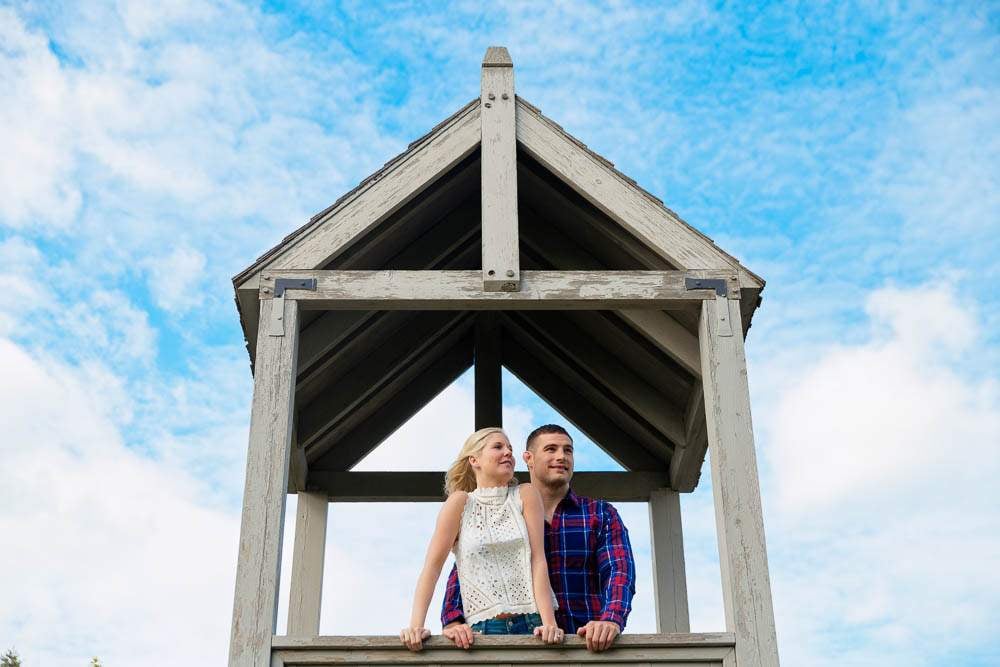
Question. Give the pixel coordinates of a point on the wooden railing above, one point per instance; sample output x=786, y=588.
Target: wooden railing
x=687, y=650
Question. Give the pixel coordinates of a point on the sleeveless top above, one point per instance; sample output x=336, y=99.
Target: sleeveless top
x=493, y=556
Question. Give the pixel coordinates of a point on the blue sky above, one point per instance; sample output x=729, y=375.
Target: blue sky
x=848, y=153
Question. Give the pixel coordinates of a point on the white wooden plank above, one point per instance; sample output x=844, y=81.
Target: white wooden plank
x=463, y=290
x=257, y=572
x=305, y=591
x=334, y=232
x=746, y=585
x=669, y=577
x=677, y=243
x=501, y=269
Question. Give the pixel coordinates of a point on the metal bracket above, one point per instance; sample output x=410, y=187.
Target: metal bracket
x=723, y=321
x=281, y=284
x=720, y=285
x=276, y=326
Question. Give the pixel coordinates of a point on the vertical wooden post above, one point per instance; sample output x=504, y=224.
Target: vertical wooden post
x=305, y=595
x=257, y=572
x=501, y=269
x=746, y=586
x=669, y=577
x=488, y=382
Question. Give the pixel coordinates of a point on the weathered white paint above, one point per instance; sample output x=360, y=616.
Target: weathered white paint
x=463, y=290
x=679, y=244
x=257, y=572
x=669, y=577
x=305, y=590
x=501, y=267
x=746, y=586
x=682, y=650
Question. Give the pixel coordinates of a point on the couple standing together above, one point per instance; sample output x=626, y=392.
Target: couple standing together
x=529, y=559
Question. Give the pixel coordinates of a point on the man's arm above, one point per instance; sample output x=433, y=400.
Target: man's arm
x=616, y=567
x=451, y=606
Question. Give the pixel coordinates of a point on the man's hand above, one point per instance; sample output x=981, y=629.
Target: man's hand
x=413, y=638
x=600, y=635
x=459, y=633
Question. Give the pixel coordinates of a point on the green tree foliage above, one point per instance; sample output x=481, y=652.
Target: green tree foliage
x=10, y=659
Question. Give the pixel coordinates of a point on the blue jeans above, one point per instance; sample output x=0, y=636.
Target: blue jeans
x=519, y=624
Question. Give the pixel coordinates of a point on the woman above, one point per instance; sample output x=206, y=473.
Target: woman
x=495, y=528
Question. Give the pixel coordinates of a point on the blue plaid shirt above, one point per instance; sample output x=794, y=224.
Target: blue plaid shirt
x=591, y=567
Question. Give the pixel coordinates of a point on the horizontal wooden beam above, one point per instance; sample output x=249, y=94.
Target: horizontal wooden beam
x=409, y=487
x=463, y=290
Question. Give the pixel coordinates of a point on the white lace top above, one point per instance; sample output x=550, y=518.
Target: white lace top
x=494, y=556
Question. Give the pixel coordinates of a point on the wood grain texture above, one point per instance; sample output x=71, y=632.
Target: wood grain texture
x=308, y=557
x=488, y=379
x=676, y=650
x=463, y=290
x=500, y=266
x=417, y=170
x=680, y=245
x=669, y=576
x=746, y=585
x=375, y=487
x=258, y=568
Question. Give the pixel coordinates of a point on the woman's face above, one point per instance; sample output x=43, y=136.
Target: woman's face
x=496, y=460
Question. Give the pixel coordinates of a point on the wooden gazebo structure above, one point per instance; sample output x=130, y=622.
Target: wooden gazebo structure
x=499, y=240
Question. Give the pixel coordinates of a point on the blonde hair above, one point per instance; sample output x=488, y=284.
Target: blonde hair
x=461, y=476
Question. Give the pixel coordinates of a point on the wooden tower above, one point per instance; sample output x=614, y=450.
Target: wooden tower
x=498, y=239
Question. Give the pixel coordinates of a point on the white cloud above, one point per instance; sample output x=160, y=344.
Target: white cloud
x=175, y=279
x=109, y=554
x=882, y=457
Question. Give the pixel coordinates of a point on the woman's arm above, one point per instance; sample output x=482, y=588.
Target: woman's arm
x=445, y=532
x=531, y=503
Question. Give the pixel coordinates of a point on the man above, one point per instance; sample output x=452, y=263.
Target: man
x=591, y=568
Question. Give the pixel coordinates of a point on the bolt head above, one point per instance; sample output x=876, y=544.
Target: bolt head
x=492, y=96
x=504, y=96
x=510, y=273
x=488, y=105
x=491, y=272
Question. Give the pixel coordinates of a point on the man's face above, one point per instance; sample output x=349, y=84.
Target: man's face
x=550, y=459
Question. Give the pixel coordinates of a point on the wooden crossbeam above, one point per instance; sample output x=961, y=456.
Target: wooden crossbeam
x=488, y=380
x=463, y=290
x=581, y=384
x=500, y=269
x=396, y=403
x=401, y=354
x=576, y=409
x=371, y=487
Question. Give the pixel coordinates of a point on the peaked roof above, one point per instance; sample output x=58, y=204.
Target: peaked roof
x=607, y=373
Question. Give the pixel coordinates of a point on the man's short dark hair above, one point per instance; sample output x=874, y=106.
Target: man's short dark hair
x=547, y=429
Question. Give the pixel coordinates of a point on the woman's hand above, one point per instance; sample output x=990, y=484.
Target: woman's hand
x=550, y=634
x=413, y=638
x=460, y=634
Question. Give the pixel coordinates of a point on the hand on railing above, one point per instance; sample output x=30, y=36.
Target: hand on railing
x=600, y=635
x=459, y=633
x=550, y=634
x=413, y=638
